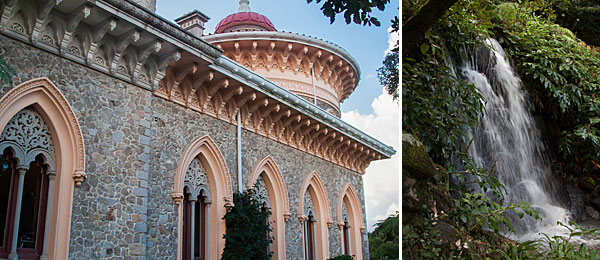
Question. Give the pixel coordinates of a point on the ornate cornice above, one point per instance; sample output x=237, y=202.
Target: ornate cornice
x=139, y=47
x=293, y=52
x=123, y=40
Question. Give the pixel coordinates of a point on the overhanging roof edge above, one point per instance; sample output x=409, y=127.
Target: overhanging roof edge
x=283, y=95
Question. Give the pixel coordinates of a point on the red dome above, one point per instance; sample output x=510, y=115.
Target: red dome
x=242, y=18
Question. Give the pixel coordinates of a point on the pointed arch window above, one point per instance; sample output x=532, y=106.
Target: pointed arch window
x=309, y=239
x=346, y=236
x=26, y=176
x=195, y=211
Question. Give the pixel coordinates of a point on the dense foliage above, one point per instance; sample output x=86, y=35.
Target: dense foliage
x=247, y=228
x=383, y=241
x=437, y=105
x=581, y=17
x=561, y=75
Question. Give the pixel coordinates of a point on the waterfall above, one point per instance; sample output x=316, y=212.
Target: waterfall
x=508, y=136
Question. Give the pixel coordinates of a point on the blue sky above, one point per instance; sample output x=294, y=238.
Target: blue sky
x=365, y=43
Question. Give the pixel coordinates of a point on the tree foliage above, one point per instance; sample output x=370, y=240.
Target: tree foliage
x=383, y=241
x=562, y=75
x=356, y=11
x=247, y=228
x=581, y=17
x=388, y=74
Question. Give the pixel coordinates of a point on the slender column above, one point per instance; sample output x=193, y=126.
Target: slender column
x=193, y=235
x=22, y=169
x=51, y=175
x=207, y=223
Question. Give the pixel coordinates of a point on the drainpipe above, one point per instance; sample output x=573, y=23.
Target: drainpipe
x=312, y=73
x=239, y=150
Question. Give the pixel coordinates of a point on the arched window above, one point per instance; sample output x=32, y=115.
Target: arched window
x=314, y=214
x=202, y=171
x=345, y=237
x=268, y=182
x=42, y=142
x=309, y=238
x=350, y=222
x=262, y=195
x=195, y=207
x=26, y=172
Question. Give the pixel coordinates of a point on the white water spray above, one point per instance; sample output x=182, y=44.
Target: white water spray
x=507, y=136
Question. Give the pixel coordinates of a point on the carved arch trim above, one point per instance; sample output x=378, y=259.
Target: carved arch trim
x=46, y=98
x=315, y=180
x=314, y=186
x=278, y=197
x=349, y=197
x=53, y=107
x=349, y=191
x=272, y=171
x=219, y=184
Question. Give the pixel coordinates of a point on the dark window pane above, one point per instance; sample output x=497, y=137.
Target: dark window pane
x=30, y=208
x=6, y=173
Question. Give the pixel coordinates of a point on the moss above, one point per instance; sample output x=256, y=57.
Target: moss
x=416, y=163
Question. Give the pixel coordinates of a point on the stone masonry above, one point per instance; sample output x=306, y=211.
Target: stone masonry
x=133, y=141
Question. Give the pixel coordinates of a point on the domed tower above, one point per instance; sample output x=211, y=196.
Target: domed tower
x=307, y=66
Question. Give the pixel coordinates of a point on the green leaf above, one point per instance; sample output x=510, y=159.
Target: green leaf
x=424, y=48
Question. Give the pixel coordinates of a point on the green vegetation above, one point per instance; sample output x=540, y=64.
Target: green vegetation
x=561, y=76
x=383, y=241
x=354, y=10
x=247, y=228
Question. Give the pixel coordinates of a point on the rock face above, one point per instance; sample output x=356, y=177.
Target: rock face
x=133, y=141
x=419, y=187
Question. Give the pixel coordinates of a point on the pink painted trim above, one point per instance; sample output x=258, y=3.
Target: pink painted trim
x=69, y=146
x=278, y=197
x=314, y=185
x=349, y=197
x=220, y=187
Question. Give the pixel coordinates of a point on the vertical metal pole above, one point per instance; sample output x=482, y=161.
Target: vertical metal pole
x=22, y=169
x=312, y=73
x=239, y=150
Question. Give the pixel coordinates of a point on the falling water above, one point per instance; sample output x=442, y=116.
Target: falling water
x=507, y=136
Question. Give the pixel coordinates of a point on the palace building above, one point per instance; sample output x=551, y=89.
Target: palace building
x=123, y=134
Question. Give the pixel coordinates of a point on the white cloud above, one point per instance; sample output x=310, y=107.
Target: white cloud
x=393, y=38
x=382, y=178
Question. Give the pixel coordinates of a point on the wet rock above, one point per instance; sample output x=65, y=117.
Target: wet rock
x=576, y=201
x=585, y=185
x=592, y=212
x=595, y=202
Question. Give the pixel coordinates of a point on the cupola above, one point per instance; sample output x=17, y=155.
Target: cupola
x=244, y=21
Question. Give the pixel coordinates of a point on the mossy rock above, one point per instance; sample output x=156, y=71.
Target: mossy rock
x=416, y=163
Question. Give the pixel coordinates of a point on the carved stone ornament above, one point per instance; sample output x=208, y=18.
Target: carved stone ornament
x=308, y=203
x=195, y=176
x=29, y=131
x=261, y=191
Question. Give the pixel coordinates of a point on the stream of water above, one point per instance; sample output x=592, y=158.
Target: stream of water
x=508, y=136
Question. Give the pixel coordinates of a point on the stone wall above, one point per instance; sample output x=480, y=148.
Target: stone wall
x=133, y=141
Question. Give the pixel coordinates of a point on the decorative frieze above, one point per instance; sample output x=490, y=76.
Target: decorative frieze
x=108, y=44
